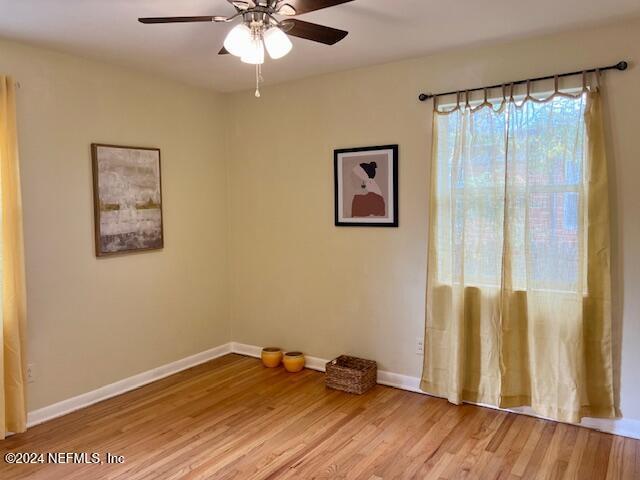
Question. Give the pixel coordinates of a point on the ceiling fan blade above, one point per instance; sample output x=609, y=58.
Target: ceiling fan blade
x=151, y=20
x=313, y=31
x=305, y=6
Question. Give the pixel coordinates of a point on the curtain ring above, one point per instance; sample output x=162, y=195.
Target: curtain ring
x=598, y=77
x=457, y=100
x=486, y=99
x=466, y=103
x=584, y=81
x=528, y=88
x=556, y=84
x=511, y=87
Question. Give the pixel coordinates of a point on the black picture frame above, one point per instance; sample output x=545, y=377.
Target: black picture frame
x=340, y=154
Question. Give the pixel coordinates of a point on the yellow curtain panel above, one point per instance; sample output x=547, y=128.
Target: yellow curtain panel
x=13, y=410
x=518, y=294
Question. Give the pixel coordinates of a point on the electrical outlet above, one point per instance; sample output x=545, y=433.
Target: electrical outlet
x=419, y=346
x=31, y=373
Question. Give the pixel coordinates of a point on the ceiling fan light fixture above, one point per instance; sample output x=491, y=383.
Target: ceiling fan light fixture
x=240, y=5
x=238, y=40
x=277, y=43
x=286, y=9
x=255, y=53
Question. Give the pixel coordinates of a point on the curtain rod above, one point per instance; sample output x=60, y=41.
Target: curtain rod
x=423, y=97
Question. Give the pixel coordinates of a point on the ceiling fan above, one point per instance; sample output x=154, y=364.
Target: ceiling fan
x=260, y=28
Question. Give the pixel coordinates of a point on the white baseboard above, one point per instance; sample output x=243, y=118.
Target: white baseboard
x=246, y=350
x=122, y=386
x=396, y=380
x=624, y=426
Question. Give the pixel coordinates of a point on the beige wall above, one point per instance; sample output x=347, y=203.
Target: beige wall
x=95, y=321
x=299, y=282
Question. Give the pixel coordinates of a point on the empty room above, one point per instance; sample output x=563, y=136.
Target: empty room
x=319, y=239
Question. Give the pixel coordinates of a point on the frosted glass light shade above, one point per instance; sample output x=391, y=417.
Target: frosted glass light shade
x=255, y=53
x=238, y=41
x=277, y=43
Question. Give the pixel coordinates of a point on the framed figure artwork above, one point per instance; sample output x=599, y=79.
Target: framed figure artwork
x=366, y=186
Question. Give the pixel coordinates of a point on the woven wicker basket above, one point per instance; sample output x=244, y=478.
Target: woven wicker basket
x=351, y=374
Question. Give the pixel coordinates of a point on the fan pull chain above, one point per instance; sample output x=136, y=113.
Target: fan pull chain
x=259, y=79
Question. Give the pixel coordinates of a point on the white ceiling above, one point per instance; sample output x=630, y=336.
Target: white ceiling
x=380, y=31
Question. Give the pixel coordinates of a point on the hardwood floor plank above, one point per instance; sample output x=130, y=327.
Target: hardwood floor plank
x=616, y=460
x=470, y=458
x=563, y=451
x=603, y=454
x=501, y=433
x=575, y=461
x=535, y=462
x=232, y=419
x=525, y=454
x=511, y=451
x=588, y=459
x=551, y=465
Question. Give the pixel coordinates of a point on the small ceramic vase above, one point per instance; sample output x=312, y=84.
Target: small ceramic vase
x=271, y=357
x=293, y=361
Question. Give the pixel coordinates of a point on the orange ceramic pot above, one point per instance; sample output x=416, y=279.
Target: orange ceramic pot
x=293, y=361
x=271, y=357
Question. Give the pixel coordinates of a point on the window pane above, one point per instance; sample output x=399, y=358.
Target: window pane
x=525, y=163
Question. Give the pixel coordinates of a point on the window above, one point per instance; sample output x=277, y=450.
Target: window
x=517, y=173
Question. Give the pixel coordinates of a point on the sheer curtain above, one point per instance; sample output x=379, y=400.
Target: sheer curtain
x=13, y=411
x=518, y=293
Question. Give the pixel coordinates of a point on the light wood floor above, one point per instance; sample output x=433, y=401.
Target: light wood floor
x=233, y=419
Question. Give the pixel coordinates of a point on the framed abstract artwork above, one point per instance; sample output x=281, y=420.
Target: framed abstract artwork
x=127, y=192
x=366, y=186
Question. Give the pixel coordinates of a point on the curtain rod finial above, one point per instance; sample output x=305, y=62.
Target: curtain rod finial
x=423, y=97
x=622, y=66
